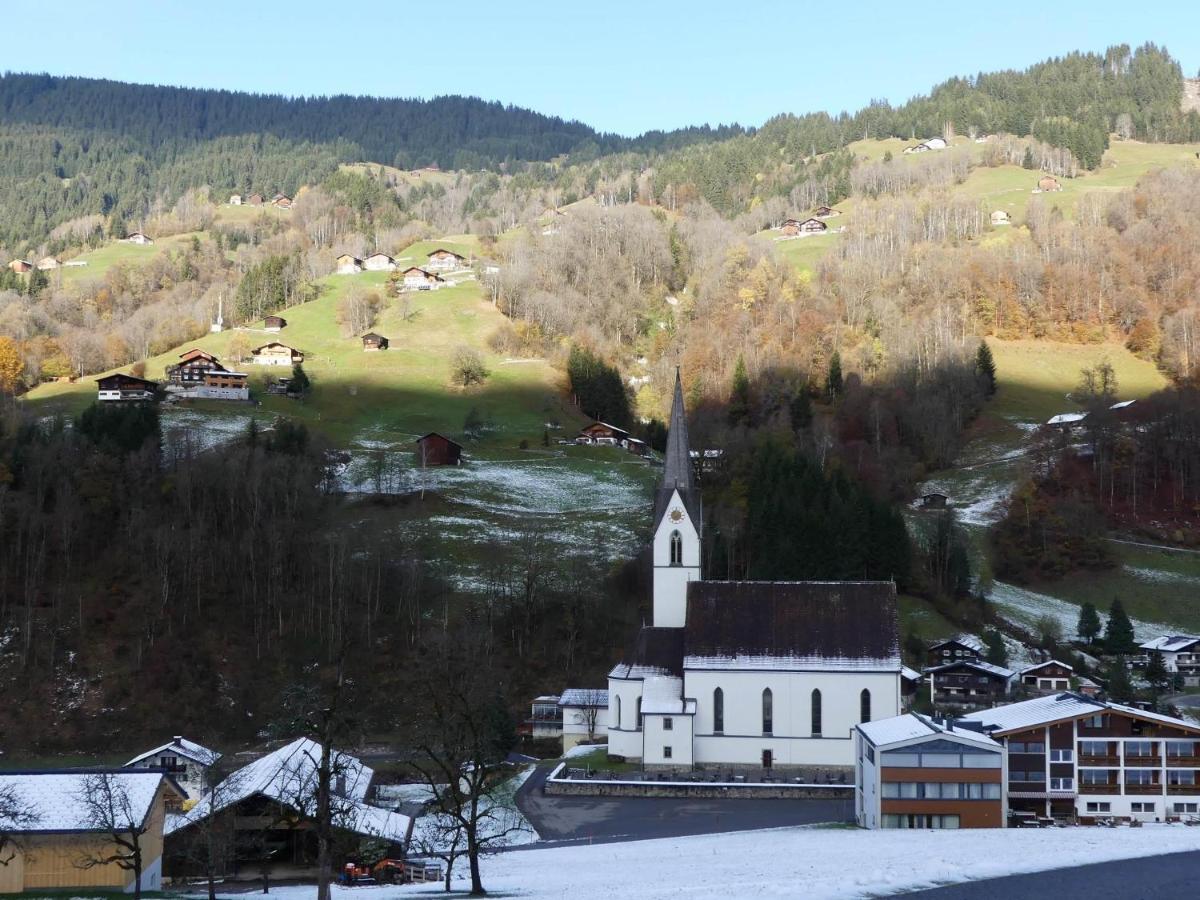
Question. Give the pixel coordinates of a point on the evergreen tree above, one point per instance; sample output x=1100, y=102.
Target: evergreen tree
x=739, y=397
x=1028, y=162
x=833, y=380
x=800, y=410
x=1156, y=673
x=300, y=384
x=997, y=651
x=1118, y=635
x=985, y=367
x=1120, y=688
x=1089, y=623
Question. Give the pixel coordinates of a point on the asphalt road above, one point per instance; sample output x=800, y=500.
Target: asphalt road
x=1149, y=878
x=612, y=819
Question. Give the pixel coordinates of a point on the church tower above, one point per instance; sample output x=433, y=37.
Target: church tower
x=678, y=521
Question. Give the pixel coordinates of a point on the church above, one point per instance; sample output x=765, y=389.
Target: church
x=747, y=673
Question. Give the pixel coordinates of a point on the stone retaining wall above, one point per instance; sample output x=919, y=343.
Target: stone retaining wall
x=561, y=787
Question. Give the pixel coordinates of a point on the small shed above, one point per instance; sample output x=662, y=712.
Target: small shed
x=235, y=199
x=934, y=501
x=1001, y=217
x=825, y=212
x=20, y=265
x=255, y=200
x=435, y=449
x=372, y=342
x=1048, y=183
x=121, y=387
x=139, y=237
x=379, y=262
x=282, y=201
x=348, y=265
x=274, y=323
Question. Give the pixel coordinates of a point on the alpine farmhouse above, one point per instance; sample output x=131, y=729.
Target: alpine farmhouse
x=752, y=674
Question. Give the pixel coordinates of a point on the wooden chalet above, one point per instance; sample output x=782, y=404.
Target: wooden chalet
x=442, y=260
x=20, y=266
x=435, y=449
x=418, y=279
x=372, y=342
x=139, y=237
x=255, y=200
x=379, y=262
x=274, y=323
x=968, y=683
x=276, y=354
x=124, y=388
x=281, y=201
x=348, y=264
x=1049, y=677
x=604, y=434
x=1048, y=184
x=192, y=366
x=962, y=646
x=825, y=212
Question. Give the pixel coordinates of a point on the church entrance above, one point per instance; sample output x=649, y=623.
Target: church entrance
x=768, y=759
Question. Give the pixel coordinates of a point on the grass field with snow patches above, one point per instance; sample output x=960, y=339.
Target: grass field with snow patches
x=814, y=863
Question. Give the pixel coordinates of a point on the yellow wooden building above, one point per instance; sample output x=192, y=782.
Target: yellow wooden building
x=57, y=832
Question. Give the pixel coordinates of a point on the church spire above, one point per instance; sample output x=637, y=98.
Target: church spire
x=677, y=469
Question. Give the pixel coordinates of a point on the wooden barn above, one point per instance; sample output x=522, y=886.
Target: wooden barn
x=255, y=200
x=438, y=450
x=281, y=201
x=604, y=434
x=20, y=266
x=274, y=323
x=1048, y=184
x=443, y=260
x=121, y=387
x=139, y=237
x=825, y=212
x=348, y=265
x=379, y=262
x=372, y=342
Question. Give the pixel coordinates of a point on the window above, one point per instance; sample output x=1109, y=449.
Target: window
x=1029, y=775
x=891, y=820
x=1181, y=776
x=1099, y=807
x=639, y=714
x=939, y=790
x=1181, y=748
x=941, y=761
x=864, y=706
x=1096, y=721
x=616, y=718
x=871, y=754
x=1093, y=748
x=718, y=711
x=1186, y=807
x=768, y=714
x=1139, y=776
x=1062, y=756
x=1095, y=776
x=1062, y=784
x=1139, y=749
x=1027, y=747
x=668, y=724
x=1141, y=807
x=666, y=752
x=816, y=713
x=676, y=549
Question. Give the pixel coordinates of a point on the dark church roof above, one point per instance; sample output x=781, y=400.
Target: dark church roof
x=677, y=465
x=823, y=625
x=659, y=651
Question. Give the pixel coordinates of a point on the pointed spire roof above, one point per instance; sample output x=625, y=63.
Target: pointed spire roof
x=677, y=465
x=677, y=471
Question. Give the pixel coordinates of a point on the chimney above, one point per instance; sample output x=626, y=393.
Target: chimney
x=178, y=738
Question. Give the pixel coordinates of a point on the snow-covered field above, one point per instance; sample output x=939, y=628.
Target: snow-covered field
x=814, y=863
x=1026, y=607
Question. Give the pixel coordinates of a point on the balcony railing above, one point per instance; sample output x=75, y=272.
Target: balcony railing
x=1188, y=789
x=1183, y=762
x=1112, y=788
x=1136, y=789
x=1108, y=761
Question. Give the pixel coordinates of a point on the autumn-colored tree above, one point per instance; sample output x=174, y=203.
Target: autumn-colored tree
x=12, y=366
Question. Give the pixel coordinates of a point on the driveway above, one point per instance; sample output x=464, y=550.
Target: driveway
x=611, y=819
x=1149, y=878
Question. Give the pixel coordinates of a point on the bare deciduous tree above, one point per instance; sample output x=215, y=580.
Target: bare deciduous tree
x=16, y=816
x=108, y=808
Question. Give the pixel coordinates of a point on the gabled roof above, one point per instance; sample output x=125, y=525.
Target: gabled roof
x=1061, y=707
x=585, y=697
x=289, y=776
x=658, y=651
x=800, y=625
x=913, y=726
x=1066, y=418
x=54, y=798
x=441, y=250
x=197, y=353
x=181, y=746
x=274, y=344
x=371, y=335
x=977, y=664
x=121, y=376
x=606, y=425
x=434, y=434
x=909, y=674
x=378, y=253
x=1049, y=662
x=1170, y=643
x=969, y=641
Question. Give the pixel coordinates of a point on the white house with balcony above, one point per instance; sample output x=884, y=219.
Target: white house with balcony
x=584, y=715
x=753, y=674
x=1180, y=654
x=186, y=761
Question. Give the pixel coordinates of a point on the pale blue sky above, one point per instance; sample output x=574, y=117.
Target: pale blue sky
x=617, y=65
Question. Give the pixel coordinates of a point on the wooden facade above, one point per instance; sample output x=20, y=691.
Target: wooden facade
x=435, y=449
x=274, y=323
x=121, y=387
x=20, y=266
x=442, y=260
x=192, y=367
x=1049, y=677
x=372, y=342
x=276, y=354
x=348, y=265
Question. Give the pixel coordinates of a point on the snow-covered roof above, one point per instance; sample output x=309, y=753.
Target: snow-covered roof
x=289, y=776
x=885, y=732
x=1170, y=643
x=967, y=640
x=55, y=799
x=181, y=746
x=977, y=664
x=910, y=674
x=1066, y=418
x=663, y=694
x=546, y=698
x=1042, y=665
x=1038, y=711
x=784, y=663
x=1124, y=404
x=584, y=697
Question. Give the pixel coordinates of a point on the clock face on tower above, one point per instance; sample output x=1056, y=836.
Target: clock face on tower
x=677, y=515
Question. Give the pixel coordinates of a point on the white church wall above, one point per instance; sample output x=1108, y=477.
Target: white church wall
x=791, y=741
x=624, y=736
x=670, y=582
x=657, y=737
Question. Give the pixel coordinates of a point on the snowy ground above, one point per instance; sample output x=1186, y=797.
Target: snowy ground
x=1026, y=607
x=816, y=863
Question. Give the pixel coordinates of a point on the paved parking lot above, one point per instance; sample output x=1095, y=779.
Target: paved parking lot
x=608, y=819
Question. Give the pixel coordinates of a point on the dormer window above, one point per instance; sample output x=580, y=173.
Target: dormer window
x=676, y=548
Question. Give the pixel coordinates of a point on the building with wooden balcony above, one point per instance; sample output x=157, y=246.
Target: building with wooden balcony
x=1073, y=757
x=187, y=762
x=968, y=684
x=1180, y=654
x=914, y=771
x=1049, y=677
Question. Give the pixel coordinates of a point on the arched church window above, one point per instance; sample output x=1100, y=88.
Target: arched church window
x=718, y=711
x=639, y=714
x=616, y=716
x=816, y=713
x=864, y=706
x=676, y=548
x=768, y=711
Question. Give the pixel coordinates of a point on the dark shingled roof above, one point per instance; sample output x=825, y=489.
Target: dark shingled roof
x=748, y=624
x=677, y=465
x=658, y=651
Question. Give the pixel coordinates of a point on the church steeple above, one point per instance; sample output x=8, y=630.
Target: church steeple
x=677, y=471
